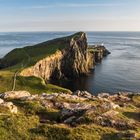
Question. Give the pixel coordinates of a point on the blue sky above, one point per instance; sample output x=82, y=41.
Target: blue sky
x=69, y=15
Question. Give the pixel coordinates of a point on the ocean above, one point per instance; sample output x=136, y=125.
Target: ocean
x=120, y=71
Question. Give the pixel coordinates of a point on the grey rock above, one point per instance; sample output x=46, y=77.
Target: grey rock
x=15, y=94
x=51, y=96
x=84, y=94
x=47, y=104
x=109, y=105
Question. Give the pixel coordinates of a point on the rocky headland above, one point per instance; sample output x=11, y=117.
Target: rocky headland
x=72, y=60
x=33, y=67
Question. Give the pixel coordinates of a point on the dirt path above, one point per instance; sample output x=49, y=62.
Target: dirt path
x=18, y=71
x=14, y=80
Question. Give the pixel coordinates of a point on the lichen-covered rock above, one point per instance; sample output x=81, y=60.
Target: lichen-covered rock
x=50, y=96
x=72, y=97
x=84, y=94
x=31, y=97
x=15, y=94
x=10, y=106
x=109, y=105
x=47, y=104
x=73, y=109
x=76, y=106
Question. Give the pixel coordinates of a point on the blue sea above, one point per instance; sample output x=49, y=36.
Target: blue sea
x=120, y=71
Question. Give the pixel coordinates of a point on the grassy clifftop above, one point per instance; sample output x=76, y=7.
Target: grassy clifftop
x=41, y=61
x=19, y=58
x=29, y=55
x=32, y=84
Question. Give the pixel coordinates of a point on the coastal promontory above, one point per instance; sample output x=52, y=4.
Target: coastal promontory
x=63, y=58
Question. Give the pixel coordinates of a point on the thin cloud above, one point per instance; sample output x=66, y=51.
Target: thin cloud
x=72, y=5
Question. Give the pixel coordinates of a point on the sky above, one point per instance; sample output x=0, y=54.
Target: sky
x=69, y=15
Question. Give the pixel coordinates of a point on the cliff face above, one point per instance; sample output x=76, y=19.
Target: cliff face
x=71, y=62
x=98, y=52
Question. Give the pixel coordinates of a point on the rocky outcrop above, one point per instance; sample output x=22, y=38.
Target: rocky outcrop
x=98, y=52
x=15, y=94
x=6, y=107
x=78, y=108
x=71, y=62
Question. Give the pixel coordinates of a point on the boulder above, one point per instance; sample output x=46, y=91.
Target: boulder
x=77, y=106
x=15, y=94
x=30, y=98
x=71, y=97
x=84, y=94
x=50, y=96
x=124, y=98
x=109, y=106
x=9, y=105
x=71, y=109
x=47, y=104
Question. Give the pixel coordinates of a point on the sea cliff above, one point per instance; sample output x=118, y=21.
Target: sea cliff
x=74, y=60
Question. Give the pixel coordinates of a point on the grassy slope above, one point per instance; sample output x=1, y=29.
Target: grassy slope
x=26, y=125
x=32, y=84
x=27, y=56
x=21, y=56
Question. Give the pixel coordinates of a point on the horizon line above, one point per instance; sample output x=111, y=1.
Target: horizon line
x=71, y=31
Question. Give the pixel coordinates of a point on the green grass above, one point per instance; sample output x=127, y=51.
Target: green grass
x=28, y=127
x=82, y=132
x=20, y=58
x=32, y=84
x=16, y=127
x=29, y=55
x=136, y=100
